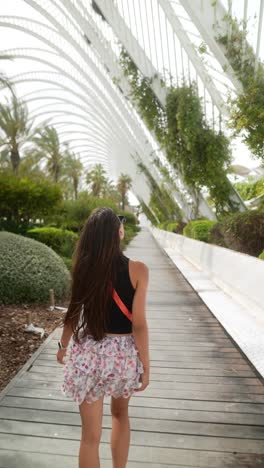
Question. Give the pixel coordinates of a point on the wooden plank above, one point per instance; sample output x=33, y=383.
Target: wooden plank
x=173, y=355
x=149, y=454
x=153, y=393
x=26, y=382
x=19, y=459
x=138, y=437
x=155, y=377
x=173, y=366
x=244, y=372
x=241, y=413
x=175, y=426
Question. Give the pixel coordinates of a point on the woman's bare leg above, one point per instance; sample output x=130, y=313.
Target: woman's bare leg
x=91, y=416
x=120, y=436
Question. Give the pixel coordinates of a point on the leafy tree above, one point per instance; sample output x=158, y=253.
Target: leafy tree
x=193, y=148
x=162, y=204
x=30, y=168
x=247, y=116
x=144, y=208
x=249, y=190
x=124, y=184
x=24, y=201
x=201, y=153
x=96, y=180
x=15, y=130
x=48, y=148
x=109, y=190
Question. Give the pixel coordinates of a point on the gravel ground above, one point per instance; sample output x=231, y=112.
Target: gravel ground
x=17, y=346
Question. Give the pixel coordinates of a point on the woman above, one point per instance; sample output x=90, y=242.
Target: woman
x=108, y=353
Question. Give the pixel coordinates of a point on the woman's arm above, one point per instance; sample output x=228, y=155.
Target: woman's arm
x=65, y=338
x=139, y=323
x=66, y=335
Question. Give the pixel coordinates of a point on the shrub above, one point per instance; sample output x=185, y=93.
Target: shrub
x=131, y=219
x=216, y=236
x=60, y=240
x=243, y=232
x=29, y=270
x=130, y=232
x=199, y=229
x=24, y=201
x=180, y=225
x=261, y=256
x=172, y=226
x=68, y=262
x=72, y=214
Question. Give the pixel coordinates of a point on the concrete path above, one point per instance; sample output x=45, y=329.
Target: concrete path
x=203, y=408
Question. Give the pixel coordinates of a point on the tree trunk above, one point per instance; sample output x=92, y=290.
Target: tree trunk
x=123, y=201
x=56, y=173
x=15, y=160
x=75, y=187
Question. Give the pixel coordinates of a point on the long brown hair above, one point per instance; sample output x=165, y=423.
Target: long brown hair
x=95, y=263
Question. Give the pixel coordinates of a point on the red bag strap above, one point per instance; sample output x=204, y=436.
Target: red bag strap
x=121, y=305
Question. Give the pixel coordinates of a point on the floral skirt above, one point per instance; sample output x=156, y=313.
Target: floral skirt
x=95, y=368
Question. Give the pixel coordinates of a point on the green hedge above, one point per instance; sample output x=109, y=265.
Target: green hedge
x=60, y=240
x=199, y=229
x=72, y=214
x=261, y=256
x=172, y=226
x=29, y=269
x=243, y=232
x=68, y=262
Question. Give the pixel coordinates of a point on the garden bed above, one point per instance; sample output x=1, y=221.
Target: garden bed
x=17, y=346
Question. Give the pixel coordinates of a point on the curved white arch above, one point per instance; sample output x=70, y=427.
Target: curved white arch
x=129, y=134
x=95, y=91
x=92, y=104
x=65, y=57
x=32, y=76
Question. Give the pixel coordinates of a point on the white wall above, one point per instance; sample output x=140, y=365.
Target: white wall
x=238, y=274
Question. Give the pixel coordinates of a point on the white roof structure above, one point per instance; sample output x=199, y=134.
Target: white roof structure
x=66, y=67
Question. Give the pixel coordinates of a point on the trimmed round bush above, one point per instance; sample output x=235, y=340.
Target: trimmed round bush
x=261, y=256
x=28, y=270
x=199, y=229
x=60, y=240
x=243, y=232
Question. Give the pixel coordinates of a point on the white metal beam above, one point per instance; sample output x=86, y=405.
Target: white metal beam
x=209, y=19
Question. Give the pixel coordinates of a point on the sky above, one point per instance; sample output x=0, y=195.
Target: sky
x=12, y=38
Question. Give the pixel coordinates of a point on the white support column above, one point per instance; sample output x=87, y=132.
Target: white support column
x=260, y=24
x=193, y=56
x=209, y=20
x=135, y=51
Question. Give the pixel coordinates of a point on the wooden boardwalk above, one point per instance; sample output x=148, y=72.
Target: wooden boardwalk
x=203, y=408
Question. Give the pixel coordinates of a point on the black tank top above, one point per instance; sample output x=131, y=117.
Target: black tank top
x=118, y=322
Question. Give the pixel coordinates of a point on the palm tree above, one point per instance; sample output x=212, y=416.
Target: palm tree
x=97, y=180
x=124, y=184
x=3, y=78
x=15, y=130
x=72, y=168
x=29, y=166
x=48, y=147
